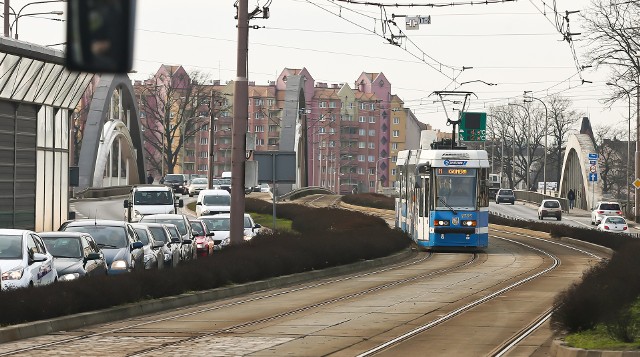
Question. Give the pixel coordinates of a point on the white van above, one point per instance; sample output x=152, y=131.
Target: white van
x=150, y=199
x=213, y=202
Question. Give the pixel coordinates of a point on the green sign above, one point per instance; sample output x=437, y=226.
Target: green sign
x=473, y=126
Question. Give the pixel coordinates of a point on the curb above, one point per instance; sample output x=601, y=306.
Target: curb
x=71, y=322
x=560, y=349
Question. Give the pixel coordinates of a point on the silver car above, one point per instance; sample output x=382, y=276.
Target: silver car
x=24, y=260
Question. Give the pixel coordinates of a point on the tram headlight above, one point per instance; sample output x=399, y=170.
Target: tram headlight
x=441, y=222
x=469, y=223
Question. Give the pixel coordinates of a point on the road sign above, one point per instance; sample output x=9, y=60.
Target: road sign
x=593, y=177
x=636, y=183
x=593, y=169
x=593, y=156
x=593, y=162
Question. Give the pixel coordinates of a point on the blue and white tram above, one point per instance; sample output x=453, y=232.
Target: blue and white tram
x=444, y=198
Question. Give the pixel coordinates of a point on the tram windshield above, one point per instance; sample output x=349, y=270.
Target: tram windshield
x=455, y=187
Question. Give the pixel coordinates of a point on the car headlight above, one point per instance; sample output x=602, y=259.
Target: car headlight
x=69, y=277
x=13, y=274
x=200, y=245
x=167, y=256
x=119, y=264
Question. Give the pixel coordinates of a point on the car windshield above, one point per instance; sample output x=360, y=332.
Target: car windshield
x=177, y=221
x=216, y=200
x=159, y=234
x=11, y=247
x=551, y=204
x=505, y=193
x=610, y=206
x=153, y=198
x=174, y=178
x=616, y=220
x=215, y=182
x=247, y=222
x=217, y=224
x=63, y=247
x=199, y=181
x=142, y=234
x=109, y=237
x=174, y=232
x=197, y=227
x=225, y=182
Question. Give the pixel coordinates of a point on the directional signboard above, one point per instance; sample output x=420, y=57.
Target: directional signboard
x=593, y=177
x=593, y=162
x=593, y=156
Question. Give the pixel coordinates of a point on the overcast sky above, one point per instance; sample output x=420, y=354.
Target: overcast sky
x=511, y=44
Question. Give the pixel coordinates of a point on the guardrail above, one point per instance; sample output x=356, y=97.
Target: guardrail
x=100, y=192
x=537, y=197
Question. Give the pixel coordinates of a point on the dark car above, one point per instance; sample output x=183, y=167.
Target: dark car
x=153, y=253
x=171, y=248
x=505, y=195
x=176, y=181
x=76, y=255
x=189, y=249
x=203, y=238
x=122, y=249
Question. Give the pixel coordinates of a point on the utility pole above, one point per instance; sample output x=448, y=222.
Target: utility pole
x=6, y=18
x=637, y=156
x=239, y=129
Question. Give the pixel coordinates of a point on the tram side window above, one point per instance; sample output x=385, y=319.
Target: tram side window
x=424, y=196
x=483, y=188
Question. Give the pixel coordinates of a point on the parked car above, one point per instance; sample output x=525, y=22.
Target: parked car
x=76, y=254
x=153, y=253
x=204, y=238
x=176, y=181
x=218, y=224
x=550, y=208
x=122, y=249
x=189, y=250
x=602, y=209
x=196, y=185
x=171, y=248
x=505, y=195
x=24, y=260
x=613, y=224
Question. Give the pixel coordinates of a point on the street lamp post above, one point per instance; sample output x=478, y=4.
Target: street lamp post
x=628, y=93
x=18, y=16
x=544, y=164
x=637, y=156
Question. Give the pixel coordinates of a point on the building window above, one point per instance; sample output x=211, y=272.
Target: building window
x=259, y=129
x=394, y=146
x=363, y=106
x=396, y=133
x=257, y=101
x=202, y=167
x=362, y=144
x=259, y=115
x=372, y=184
x=273, y=141
x=372, y=132
x=373, y=106
x=321, y=130
x=396, y=120
x=188, y=167
x=204, y=127
x=332, y=143
x=190, y=153
x=361, y=170
x=394, y=172
x=394, y=158
x=361, y=132
x=332, y=117
x=270, y=102
x=143, y=115
x=332, y=130
x=362, y=119
x=351, y=105
x=372, y=171
x=361, y=158
x=273, y=128
x=332, y=104
x=372, y=145
x=372, y=119
x=259, y=142
x=204, y=141
x=323, y=104
x=203, y=154
x=371, y=158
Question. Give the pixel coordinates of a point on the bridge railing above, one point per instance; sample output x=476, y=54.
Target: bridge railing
x=305, y=191
x=537, y=197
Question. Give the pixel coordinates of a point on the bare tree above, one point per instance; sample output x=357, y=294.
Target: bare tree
x=562, y=121
x=613, y=31
x=611, y=163
x=175, y=106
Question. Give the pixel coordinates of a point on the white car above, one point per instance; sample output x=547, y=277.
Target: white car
x=220, y=224
x=264, y=187
x=613, y=224
x=212, y=202
x=550, y=208
x=24, y=260
x=196, y=185
x=603, y=209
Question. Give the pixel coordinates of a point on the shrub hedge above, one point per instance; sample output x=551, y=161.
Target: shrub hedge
x=374, y=200
x=326, y=238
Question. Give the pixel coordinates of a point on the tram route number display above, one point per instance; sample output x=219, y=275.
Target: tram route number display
x=445, y=171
